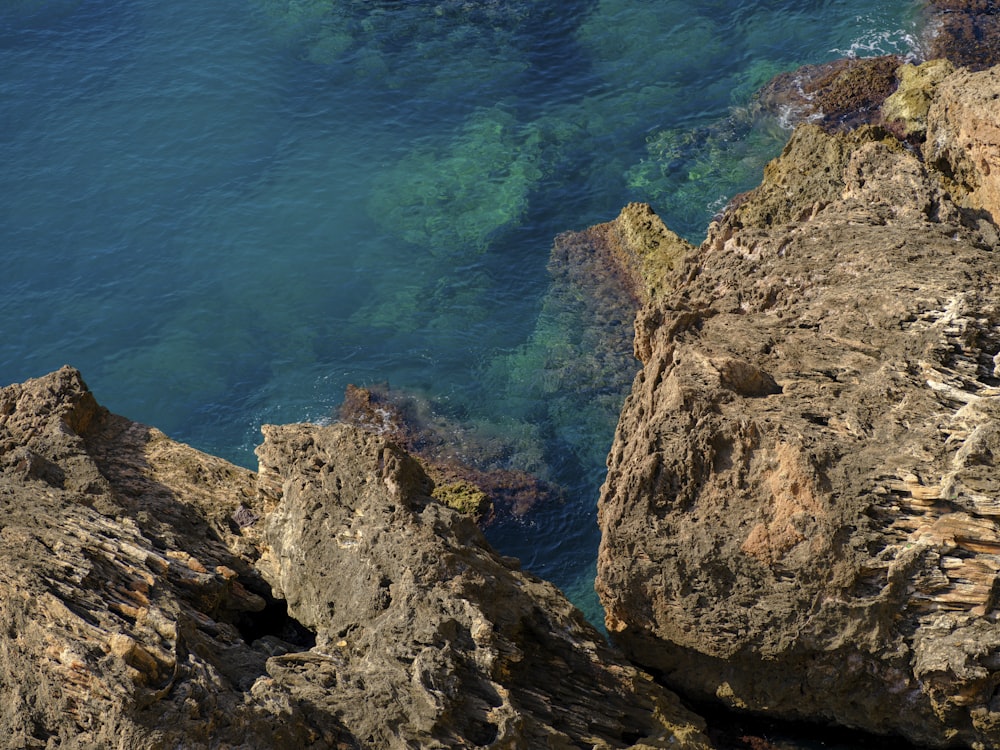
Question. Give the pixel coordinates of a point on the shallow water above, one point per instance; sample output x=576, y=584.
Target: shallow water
x=225, y=212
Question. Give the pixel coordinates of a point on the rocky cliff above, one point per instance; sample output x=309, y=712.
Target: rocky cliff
x=801, y=516
x=152, y=596
x=802, y=510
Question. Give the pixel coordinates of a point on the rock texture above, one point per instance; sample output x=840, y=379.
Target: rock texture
x=802, y=510
x=905, y=111
x=837, y=95
x=967, y=32
x=152, y=596
x=636, y=247
x=467, y=468
x=963, y=138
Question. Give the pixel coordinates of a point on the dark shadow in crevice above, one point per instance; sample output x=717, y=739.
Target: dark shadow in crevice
x=733, y=730
x=275, y=621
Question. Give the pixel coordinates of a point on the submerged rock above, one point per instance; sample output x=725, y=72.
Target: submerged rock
x=838, y=95
x=966, y=32
x=801, y=516
x=468, y=467
x=152, y=596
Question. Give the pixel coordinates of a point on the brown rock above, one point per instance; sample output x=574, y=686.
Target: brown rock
x=838, y=95
x=124, y=590
x=800, y=516
x=966, y=32
x=963, y=137
x=638, y=246
x=134, y=613
x=415, y=615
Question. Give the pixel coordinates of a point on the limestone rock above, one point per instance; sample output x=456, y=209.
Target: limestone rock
x=416, y=615
x=905, y=111
x=127, y=592
x=963, y=137
x=801, y=514
x=152, y=596
x=638, y=242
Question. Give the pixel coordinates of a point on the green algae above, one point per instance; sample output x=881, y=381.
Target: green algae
x=906, y=109
x=688, y=172
x=620, y=33
x=463, y=496
x=452, y=200
x=573, y=371
x=399, y=46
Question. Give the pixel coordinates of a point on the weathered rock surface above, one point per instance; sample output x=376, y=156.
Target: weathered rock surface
x=414, y=613
x=636, y=246
x=837, y=95
x=802, y=510
x=966, y=32
x=905, y=111
x=963, y=137
x=468, y=469
x=152, y=596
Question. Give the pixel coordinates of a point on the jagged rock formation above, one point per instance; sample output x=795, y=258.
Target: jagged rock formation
x=152, y=596
x=905, y=111
x=802, y=510
x=636, y=247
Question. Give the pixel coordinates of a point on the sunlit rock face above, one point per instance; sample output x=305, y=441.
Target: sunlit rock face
x=152, y=596
x=963, y=138
x=802, y=510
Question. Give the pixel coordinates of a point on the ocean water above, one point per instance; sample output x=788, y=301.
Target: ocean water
x=225, y=212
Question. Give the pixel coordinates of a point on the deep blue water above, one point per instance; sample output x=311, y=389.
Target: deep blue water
x=224, y=212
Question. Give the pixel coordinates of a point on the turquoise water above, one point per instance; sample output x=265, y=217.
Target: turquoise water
x=225, y=212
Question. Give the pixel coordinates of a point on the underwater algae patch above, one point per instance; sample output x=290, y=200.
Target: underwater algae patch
x=401, y=45
x=690, y=172
x=450, y=199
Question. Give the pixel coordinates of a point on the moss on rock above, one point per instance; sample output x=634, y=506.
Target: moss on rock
x=905, y=112
x=465, y=497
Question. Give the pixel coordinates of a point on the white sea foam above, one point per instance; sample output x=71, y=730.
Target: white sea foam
x=879, y=41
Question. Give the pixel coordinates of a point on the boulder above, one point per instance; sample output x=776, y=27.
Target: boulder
x=905, y=111
x=424, y=636
x=152, y=596
x=801, y=516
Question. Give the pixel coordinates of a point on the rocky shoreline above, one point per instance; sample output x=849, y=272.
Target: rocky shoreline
x=801, y=517
x=800, y=514
x=152, y=596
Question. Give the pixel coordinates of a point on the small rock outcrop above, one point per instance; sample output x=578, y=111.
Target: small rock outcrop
x=152, y=596
x=963, y=138
x=905, y=111
x=469, y=470
x=801, y=516
x=837, y=95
